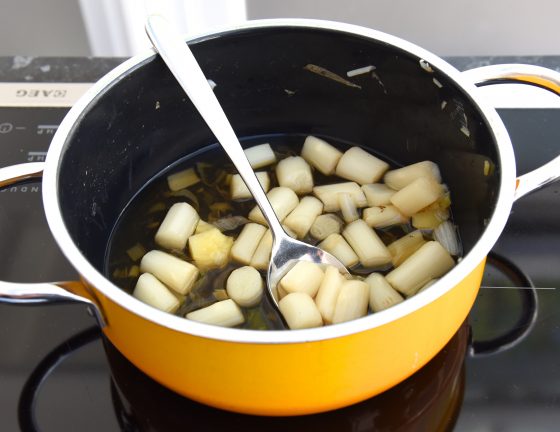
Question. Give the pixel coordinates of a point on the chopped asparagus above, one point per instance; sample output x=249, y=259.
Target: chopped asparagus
x=383, y=216
x=295, y=173
x=405, y=246
x=328, y=293
x=151, y=291
x=304, y=277
x=381, y=294
x=182, y=179
x=321, y=154
x=177, y=226
x=299, y=311
x=329, y=195
x=303, y=216
x=337, y=246
x=247, y=242
x=224, y=313
x=429, y=262
x=325, y=225
x=238, y=189
x=245, y=286
x=378, y=194
x=352, y=301
x=399, y=178
x=283, y=201
x=417, y=195
x=348, y=207
x=261, y=256
x=260, y=156
x=360, y=166
x=367, y=244
x=177, y=274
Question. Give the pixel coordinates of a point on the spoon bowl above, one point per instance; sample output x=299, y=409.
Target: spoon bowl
x=176, y=54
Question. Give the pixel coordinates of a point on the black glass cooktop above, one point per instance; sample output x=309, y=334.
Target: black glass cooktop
x=500, y=372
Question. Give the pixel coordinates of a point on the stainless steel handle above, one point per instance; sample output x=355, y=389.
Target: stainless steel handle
x=523, y=74
x=182, y=63
x=529, y=311
x=40, y=293
x=20, y=173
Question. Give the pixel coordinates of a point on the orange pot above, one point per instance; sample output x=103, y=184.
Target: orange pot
x=134, y=122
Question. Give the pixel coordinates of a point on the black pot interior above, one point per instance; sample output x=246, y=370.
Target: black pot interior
x=144, y=122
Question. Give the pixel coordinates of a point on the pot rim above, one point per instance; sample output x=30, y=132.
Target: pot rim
x=469, y=262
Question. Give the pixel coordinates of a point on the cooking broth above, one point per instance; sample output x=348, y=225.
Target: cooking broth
x=138, y=223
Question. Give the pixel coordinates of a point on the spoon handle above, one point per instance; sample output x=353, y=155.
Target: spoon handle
x=179, y=59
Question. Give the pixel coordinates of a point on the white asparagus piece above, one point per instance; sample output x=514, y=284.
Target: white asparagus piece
x=177, y=274
x=347, y=207
x=260, y=156
x=377, y=194
x=325, y=225
x=320, y=154
x=245, y=286
x=304, y=277
x=177, y=226
x=303, y=216
x=427, y=285
x=367, y=244
x=247, y=242
x=352, y=301
x=261, y=256
x=329, y=195
x=224, y=313
x=182, y=179
x=337, y=246
x=381, y=294
x=429, y=262
x=402, y=177
x=210, y=249
x=238, y=189
x=299, y=311
x=384, y=216
x=283, y=201
x=328, y=293
x=360, y=166
x=405, y=246
x=151, y=291
x=417, y=195
x=295, y=173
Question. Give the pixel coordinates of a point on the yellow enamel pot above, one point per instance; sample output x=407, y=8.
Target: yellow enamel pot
x=413, y=106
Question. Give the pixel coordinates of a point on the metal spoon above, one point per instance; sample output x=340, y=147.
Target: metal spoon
x=286, y=251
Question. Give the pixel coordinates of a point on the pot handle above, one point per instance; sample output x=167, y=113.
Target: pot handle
x=41, y=293
x=527, y=317
x=538, y=76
